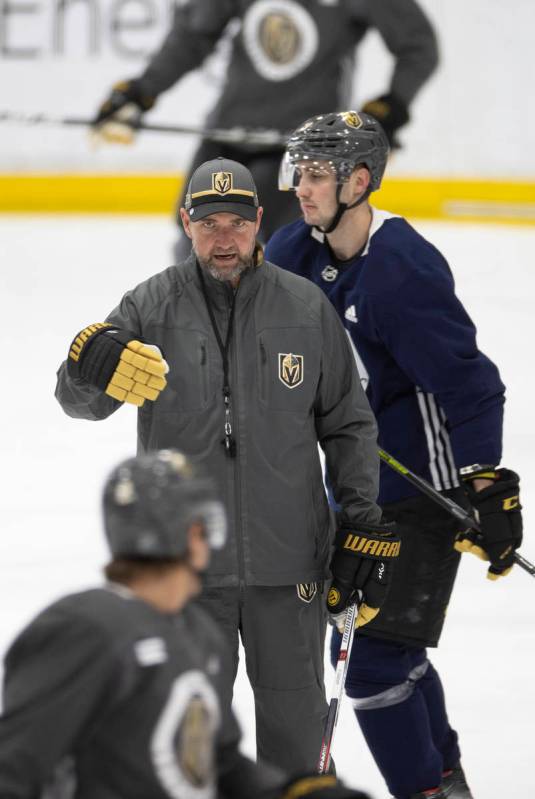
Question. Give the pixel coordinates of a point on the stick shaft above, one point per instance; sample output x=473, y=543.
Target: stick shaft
x=337, y=690
x=236, y=135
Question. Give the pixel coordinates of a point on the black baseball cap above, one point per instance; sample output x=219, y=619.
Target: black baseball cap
x=221, y=186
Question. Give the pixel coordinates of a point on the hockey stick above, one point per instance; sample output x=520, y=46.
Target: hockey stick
x=462, y=515
x=237, y=135
x=337, y=689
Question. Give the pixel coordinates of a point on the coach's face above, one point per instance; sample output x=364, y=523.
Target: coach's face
x=224, y=243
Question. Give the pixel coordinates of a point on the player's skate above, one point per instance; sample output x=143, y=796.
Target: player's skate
x=442, y=792
x=456, y=779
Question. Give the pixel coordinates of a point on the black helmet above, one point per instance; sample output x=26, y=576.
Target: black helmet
x=345, y=139
x=150, y=501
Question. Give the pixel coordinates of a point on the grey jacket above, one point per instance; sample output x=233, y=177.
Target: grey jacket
x=279, y=519
x=291, y=62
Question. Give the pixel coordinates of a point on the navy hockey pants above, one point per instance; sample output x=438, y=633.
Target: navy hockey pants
x=399, y=704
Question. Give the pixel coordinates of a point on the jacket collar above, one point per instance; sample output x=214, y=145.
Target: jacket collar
x=221, y=292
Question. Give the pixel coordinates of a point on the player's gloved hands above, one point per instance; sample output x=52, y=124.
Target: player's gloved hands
x=116, y=361
x=499, y=511
x=319, y=786
x=362, y=564
x=120, y=114
x=391, y=112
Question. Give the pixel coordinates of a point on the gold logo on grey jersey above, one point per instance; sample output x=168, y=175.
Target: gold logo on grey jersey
x=291, y=369
x=222, y=182
x=195, y=744
x=279, y=38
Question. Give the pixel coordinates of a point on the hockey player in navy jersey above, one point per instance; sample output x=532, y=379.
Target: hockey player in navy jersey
x=118, y=692
x=438, y=401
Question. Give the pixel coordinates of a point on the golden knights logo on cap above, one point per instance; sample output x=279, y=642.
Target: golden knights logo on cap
x=352, y=119
x=222, y=182
x=291, y=369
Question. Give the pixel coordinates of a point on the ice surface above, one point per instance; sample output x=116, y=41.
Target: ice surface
x=59, y=274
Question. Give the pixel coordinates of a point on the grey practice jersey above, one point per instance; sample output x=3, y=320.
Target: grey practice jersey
x=107, y=698
x=292, y=59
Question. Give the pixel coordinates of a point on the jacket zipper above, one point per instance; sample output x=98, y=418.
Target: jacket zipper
x=204, y=372
x=236, y=461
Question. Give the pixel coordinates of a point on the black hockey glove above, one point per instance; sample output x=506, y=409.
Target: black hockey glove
x=499, y=511
x=391, y=112
x=115, y=361
x=319, y=786
x=363, y=560
x=120, y=114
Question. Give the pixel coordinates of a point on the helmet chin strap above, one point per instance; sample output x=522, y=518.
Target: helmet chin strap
x=341, y=209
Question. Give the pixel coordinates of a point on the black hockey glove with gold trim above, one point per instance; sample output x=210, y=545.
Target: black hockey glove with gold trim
x=117, y=362
x=319, y=786
x=499, y=510
x=362, y=564
x=120, y=114
x=391, y=112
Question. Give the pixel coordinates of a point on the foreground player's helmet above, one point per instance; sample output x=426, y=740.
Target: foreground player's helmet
x=344, y=140
x=151, y=501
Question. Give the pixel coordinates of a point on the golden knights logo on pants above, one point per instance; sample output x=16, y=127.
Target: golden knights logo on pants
x=291, y=369
x=307, y=591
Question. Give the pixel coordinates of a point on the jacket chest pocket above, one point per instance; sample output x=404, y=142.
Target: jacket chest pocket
x=288, y=362
x=189, y=382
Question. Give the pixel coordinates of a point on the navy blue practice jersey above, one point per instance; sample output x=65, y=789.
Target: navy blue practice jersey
x=438, y=400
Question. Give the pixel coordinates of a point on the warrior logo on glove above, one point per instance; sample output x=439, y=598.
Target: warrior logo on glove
x=362, y=565
x=372, y=546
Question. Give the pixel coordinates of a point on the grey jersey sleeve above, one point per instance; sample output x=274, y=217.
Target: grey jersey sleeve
x=56, y=673
x=409, y=36
x=197, y=27
x=345, y=425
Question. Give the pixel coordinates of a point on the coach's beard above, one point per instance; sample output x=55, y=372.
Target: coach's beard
x=226, y=275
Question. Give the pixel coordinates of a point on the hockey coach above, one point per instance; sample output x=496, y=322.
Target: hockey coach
x=246, y=368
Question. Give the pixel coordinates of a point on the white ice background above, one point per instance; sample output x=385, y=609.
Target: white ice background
x=59, y=273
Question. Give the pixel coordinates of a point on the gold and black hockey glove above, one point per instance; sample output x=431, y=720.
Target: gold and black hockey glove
x=117, y=362
x=319, y=786
x=361, y=566
x=391, y=112
x=120, y=114
x=499, y=511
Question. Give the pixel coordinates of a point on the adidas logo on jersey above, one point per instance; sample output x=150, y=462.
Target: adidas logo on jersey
x=351, y=314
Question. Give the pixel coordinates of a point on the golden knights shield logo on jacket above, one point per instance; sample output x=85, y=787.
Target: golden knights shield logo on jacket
x=291, y=369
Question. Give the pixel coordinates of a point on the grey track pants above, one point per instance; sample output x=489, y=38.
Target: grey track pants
x=283, y=638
